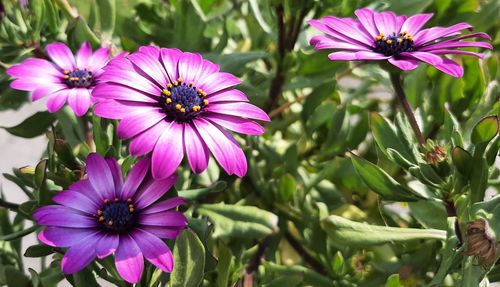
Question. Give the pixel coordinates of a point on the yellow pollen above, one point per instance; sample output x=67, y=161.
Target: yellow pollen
x=204, y=94
x=66, y=71
x=168, y=100
x=382, y=34
x=196, y=108
x=183, y=110
x=166, y=92
x=377, y=38
x=130, y=205
x=191, y=84
x=131, y=209
x=110, y=222
x=101, y=219
x=99, y=212
x=73, y=79
x=384, y=39
x=66, y=76
x=178, y=106
x=199, y=91
x=389, y=42
x=403, y=33
x=176, y=83
x=179, y=79
x=400, y=40
x=205, y=102
x=169, y=85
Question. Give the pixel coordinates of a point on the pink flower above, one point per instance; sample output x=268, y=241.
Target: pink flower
x=64, y=79
x=173, y=103
x=397, y=39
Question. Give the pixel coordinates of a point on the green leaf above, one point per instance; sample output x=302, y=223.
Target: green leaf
x=194, y=194
x=240, y=221
x=350, y=233
x=393, y=281
x=485, y=130
x=478, y=179
x=79, y=32
x=19, y=234
x=223, y=268
x=85, y=278
x=35, y=278
x=189, y=258
x=16, y=278
x=382, y=183
x=462, y=160
x=65, y=154
x=386, y=137
x=38, y=250
x=33, y=126
x=310, y=278
x=286, y=187
x=107, y=13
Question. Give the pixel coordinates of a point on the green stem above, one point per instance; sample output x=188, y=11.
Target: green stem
x=19, y=234
x=9, y=205
x=396, y=81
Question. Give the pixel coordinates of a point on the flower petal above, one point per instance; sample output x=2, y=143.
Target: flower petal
x=404, y=64
x=431, y=34
x=80, y=255
x=135, y=178
x=47, y=90
x=100, y=175
x=168, y=151
x=113, y=91
x=218, y=82
x=428, y=58
x=116, y=172
x=129, y=261
x=448, y=45
x=238, y=109
x=34, y=68
x=84, y=187
x=79, y=100
x=342, y=56
x=170, y=58
x=151, y=66
x=57, y=100
x=458, y=52
x=139, y=121
x=118, y=110
x=83, y=56
x=164, y=205
x=98, y=59
x=76, y=201
x=165, y=218
x=196, y=151
x=451, y=68
x=232, y=95
x=386, y=22
x=413, y=24
x=236, y=124
x=60, y=54
x=144, y=142
x=163, y=232
x=156, y=189
x=348, y=29
x=154, y=250
x=63, y=236
x=189, y=66
x=365, y=16
x=107, y=245
x=57, y=215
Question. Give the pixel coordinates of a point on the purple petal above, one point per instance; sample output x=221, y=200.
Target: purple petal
x=400, y=20
x=166, y=218
x=458, y=52
x=83, y=56
x=451, y=68
x=79, y=100
x=107, y=245
x=162, y=232
x=448, y=45
x=116, y=172
x=413, y=24
x=404, y=64
x=98, y=59
x=364, y=55
x=208, y=68
x=139, y=121
x=318, y=24
x=148, y=195
x=236, y=124
x=64, y=237
x=143, y=143
x=57, y=215
x=428, y=58
x=240, y=163
x=232, y=95
x=321, y=42
x=164, y=205
x=189, y=66
x=386, y=22
x=168, y=151
x=217, y=82
x=76, y=201
x=34, y=68
x=118, y=92
x=100, y=175
x=238, y=109
x=154, y=250
x=151, y=66
x=152, y=51
x=365, y=16
x=129, y=261
x=112, y=109
x=348, y=29
x=342, y=56
x=431, y=34
x=196, y=150
x=80, y=255
x=170, y=58
x=60, y=54
x=135, y=178
x=47, y=90
x=57, y=100
x=122, y=72
x=84, y=187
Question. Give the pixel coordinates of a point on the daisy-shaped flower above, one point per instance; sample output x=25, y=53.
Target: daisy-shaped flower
x=102, y=215
x=174, y=103
x=63, y=79
x=397, y=39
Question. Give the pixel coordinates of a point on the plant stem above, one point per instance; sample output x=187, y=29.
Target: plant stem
x=254, y=263
x=315, y=264
x=396, y=81
x=19, y=234
x=9, y=205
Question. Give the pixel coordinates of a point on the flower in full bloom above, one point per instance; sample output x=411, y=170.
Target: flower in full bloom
x=63, y=79
x=397, y=39
x=173, y=103
x=103, y=214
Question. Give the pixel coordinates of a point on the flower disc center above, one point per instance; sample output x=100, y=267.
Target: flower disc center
x=78, y=78
x=116, y=215
x=394, y=44
x=182, y=101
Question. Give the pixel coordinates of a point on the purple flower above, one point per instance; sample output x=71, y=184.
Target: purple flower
x=65, y=79
x=400, y=40
x=173, y=103
x=102, y=215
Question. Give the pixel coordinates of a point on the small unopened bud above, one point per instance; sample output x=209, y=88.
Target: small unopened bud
x=436, y=155
x=480, y=242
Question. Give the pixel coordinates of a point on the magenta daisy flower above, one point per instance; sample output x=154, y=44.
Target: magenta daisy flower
x=397, y=39
x=173, y=103
x=64, y=79
x=102, y=215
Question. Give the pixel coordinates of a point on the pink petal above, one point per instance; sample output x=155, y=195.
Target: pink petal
x=111, y=109
x=165, y=219
x=196, y=150
x=364, y=55
x=448, y=45
x=321, y=42
x=162, y=232
x=144, y=142
x=232, y=95
x=139, y=121
x=342, y=56
x=57, y=100
x=100, y=175
x=189, y=66
x=135, y=178
x=365, y=16
x=60, y=54
x=79, y=100
x=154, y=250
x=217, y=82
x=336, y=35
x=76, y=201
x=236, y=124
x=458, y=52
x=62, y=216
x=386, y=23
x=413, y=24
x=347, y=29
x=80, y=255
x=34, y=68
x=122, y=72
x=164, y=205
x=129, y=261
x=151, y=66
x=118, y=92
x=47, y=90
x=116, y=172
x=168, y=152
x=84, y=187
x=431, y=34
x=153, y=51
x=151, y=193
x=83, y=56
x=404, y=64
x=99, y=59
x=170, y=58
x=238, y=109
x=239, y=156
x=451, y=68
x=428, y=58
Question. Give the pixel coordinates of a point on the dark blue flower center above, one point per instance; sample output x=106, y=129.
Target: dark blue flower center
x=182, y=102
x=117, y=216
x=394, y=44
x=78, y=78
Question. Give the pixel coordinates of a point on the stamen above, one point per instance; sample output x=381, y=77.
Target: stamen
x=182, y=101
x=78, y=78
x=394, y=44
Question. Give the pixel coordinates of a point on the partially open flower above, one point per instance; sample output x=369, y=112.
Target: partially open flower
x=481, y=243
x=436, y=155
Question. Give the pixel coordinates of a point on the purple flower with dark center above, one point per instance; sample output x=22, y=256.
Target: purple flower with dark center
x=102, y=215
x=64, y=79
x=173, y=103
x=397, y=39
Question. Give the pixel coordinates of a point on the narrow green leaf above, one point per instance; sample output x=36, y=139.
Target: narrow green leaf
x=224, y=266
x=382, y=183
x=462, y=160
x=35, y=278
x=85, y=278
x=485, y=130
x=65, y=154
x=16, y=278
x=478, y=179
x=107, y=13
x=189, y=257
x=286, y=187
x=193, y=194
x=350, y=233
x=19, y=234
x=386, y=137
x=310, y=278
x=33, y=126
x=240, y=221
x=38, y=250
x=393, y=281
